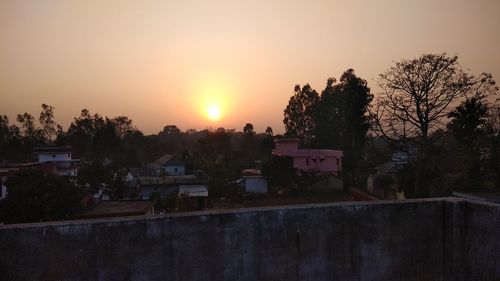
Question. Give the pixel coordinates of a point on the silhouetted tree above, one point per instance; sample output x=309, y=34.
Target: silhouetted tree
x=118, y=185
x=492, y=130
x=82, y=131
x=35, y=196
x=29, y=132
x=468, y=121
x=170, y=130
x=49, y=126
x=11, y=144
x=269, y=131
x=341, y=117
x=298, y=115
x=467, y=126
x=416, y=96
x=123, y=126
x=4, y=135
x=248, y=129
x=93, y=174
x=279, y=171
x=328, y=116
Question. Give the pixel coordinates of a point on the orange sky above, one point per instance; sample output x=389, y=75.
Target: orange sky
x=165, y=62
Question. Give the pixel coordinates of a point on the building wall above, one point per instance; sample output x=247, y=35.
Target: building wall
x=287, y=147
x=255, y=185
x=430, y=239
x=175, y=170
x=314, y=164
x=147, y=191
x=47, y=157
x=67, y=172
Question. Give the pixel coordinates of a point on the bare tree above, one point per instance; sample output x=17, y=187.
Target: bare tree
x=416, y=97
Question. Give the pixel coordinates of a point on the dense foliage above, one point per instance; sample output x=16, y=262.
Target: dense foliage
x=35, y=196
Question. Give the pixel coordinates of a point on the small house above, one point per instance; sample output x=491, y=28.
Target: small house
x=60, y=156
x=193, y=197
x=310, y=160
x=168, y=165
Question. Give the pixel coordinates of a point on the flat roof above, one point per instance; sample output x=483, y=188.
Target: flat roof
x=117, y=209
x=286, y=140
x=193, y=191
x=53, y=149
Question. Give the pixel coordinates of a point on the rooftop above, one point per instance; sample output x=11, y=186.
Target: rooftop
x=117, y=209
x=53, y=149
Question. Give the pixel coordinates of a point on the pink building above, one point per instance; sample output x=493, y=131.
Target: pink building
x=310, y=160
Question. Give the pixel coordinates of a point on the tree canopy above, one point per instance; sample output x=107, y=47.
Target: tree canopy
x=418, y=93
x=299, y=118
x=336, y=119
x=35, y=196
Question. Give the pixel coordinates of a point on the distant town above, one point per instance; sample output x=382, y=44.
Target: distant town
x=429, y=134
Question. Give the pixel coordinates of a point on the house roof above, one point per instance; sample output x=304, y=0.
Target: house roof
x=166, y=159
x=251, y=172
x=8, y=171
x=310, y=153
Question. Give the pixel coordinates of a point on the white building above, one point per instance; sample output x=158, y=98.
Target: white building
x=59, y=156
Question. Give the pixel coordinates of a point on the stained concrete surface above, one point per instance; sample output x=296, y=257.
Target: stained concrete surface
x=430, y=239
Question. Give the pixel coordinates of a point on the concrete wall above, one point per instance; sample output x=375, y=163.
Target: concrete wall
x=481, y=249
x=411, y=240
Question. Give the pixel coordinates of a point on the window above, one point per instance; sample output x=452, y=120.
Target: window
x=307, y=161
x=53, y=156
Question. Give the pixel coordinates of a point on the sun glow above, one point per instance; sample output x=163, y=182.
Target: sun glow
x=212, y=97
x=213, y=112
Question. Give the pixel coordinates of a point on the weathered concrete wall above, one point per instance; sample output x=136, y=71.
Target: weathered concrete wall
x=481, y=249
x=409, y=240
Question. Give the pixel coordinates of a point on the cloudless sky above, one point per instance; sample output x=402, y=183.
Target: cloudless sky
x=165, y=62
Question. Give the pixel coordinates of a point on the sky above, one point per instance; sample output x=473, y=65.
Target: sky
x=219, y=63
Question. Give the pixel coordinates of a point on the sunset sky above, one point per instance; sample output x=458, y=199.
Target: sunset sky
x=200, y=64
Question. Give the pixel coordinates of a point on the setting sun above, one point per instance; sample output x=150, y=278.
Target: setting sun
x=212, y=97
x=213, y=112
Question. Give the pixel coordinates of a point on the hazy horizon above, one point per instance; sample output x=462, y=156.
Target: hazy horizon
x=166, y=62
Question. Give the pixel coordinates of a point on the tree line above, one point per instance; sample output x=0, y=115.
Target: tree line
x=423, y=104
x=107, y=148
x=445, y=118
